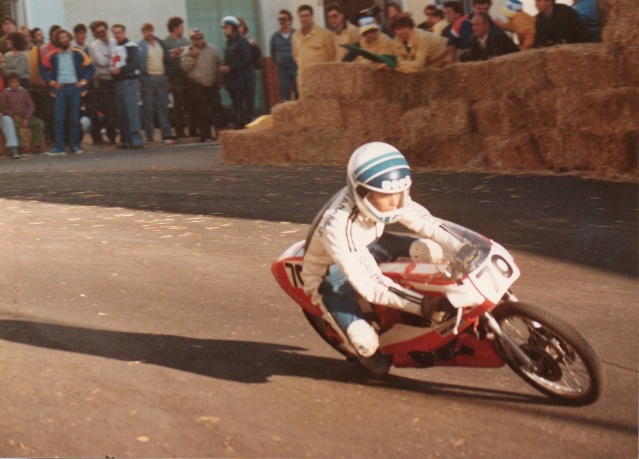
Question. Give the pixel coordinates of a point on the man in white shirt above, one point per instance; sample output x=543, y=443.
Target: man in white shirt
x=102, y=97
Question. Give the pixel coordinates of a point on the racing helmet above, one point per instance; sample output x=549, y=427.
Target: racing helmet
x=380, y=167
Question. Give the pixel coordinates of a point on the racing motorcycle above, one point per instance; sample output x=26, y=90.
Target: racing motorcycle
x=484, y=325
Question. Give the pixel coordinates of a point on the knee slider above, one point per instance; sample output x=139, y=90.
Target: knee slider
x=363, y=337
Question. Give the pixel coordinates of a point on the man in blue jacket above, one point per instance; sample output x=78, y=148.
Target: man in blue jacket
x=125, y=68
x=282, y=54
x=67, y=71
x=238, y=71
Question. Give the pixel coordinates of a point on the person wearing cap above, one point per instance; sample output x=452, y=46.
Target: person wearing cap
x=312, y=44
x=415, y=48
x=344, y=33
x=238, y=71
x=373, y=40
x=282, y=53
x=520, y=23
x=154, y=67
x=201, y=64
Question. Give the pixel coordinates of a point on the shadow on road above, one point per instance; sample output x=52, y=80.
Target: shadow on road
x=255, y=362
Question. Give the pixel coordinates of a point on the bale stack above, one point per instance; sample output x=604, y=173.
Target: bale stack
x=565, y=108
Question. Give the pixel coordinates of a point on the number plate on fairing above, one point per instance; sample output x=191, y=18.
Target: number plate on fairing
x=496, y=275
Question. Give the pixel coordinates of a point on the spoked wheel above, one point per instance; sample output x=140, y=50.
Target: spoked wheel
x=565, y=367
x=324, y=330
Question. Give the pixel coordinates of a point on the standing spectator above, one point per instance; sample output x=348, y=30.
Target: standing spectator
x=415, y=48
x=238, y=72
x=312, y=44
x=587, y=10
x=257, y=64
x=36, y=84
x=201, y=64
x=125, y=68
x=177, y=43
x=520, y=23
x=373, y=40
x=154, y=65
x=488, y=40
x=37, y=37
x=556, y=24
x=80, y=38
x=391, y=10
x=462, y=32
x=16, y=59
x=344, y=33
x=102, y=96
x=68, y=75
x=9, y=26
x=434, y=20
x=282, y=54
x=16, y=102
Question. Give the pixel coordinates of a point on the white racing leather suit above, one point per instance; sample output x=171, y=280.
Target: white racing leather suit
x=341, y=235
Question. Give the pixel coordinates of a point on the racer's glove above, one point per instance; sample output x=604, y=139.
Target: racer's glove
x=435, y=309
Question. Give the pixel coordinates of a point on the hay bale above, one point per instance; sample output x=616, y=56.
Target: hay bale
x=522, y=75
x=585, y=150
x=308, y=114
x=580, y=66
x=513, y=153
x=446, y=151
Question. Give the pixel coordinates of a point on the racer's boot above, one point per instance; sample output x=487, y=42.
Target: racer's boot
x=365, y=341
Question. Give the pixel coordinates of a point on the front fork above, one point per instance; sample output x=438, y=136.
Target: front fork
x=494, y=326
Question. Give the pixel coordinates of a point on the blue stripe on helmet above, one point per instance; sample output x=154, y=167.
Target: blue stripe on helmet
x=375, y=160
x=390, y=165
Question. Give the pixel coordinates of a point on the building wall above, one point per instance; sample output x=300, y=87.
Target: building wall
x=131, y=13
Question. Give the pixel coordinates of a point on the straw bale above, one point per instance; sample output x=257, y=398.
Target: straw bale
x=585, y=66
x=451, y=118
x=517, y=152
x=308, y=114
x=522, y=75
x=341, y=80
x=253, y=146
x=608, y=111
x=446, y=151
x=472, y=80
x=487, y=116
x=585, y=150
x=621, y=31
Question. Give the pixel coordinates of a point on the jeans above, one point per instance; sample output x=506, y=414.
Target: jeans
x=66, y=110
x=287, y=75
x=155, y=102
x=128, y=97
x=9, y=131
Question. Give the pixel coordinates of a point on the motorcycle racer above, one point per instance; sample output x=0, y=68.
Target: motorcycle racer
x=345, y=243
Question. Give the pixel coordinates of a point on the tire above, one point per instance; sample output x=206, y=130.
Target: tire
x=567, y=368
x=320, y=326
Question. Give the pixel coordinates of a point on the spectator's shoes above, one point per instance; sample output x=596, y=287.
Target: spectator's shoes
x=136, y=147
x=77, y=151
x=169, y=142
x=55, y=152
x=13, y=152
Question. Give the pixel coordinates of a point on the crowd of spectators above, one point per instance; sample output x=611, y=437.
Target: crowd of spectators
x=47, y=88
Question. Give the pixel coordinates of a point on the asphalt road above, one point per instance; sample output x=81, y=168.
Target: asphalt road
x=138, y=316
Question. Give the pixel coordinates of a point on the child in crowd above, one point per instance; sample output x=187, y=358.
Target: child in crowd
x=16, y=103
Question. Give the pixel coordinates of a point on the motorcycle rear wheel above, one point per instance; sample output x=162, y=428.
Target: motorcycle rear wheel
x=566, y=367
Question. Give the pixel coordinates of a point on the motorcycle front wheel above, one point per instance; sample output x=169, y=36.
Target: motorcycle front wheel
x=565, y=366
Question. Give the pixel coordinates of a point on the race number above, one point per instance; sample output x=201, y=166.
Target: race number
x=294, y=274
x=495, y=277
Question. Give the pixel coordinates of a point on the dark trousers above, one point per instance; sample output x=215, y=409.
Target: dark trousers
x=242, y=100
x=204, y=105
x=102, y=110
